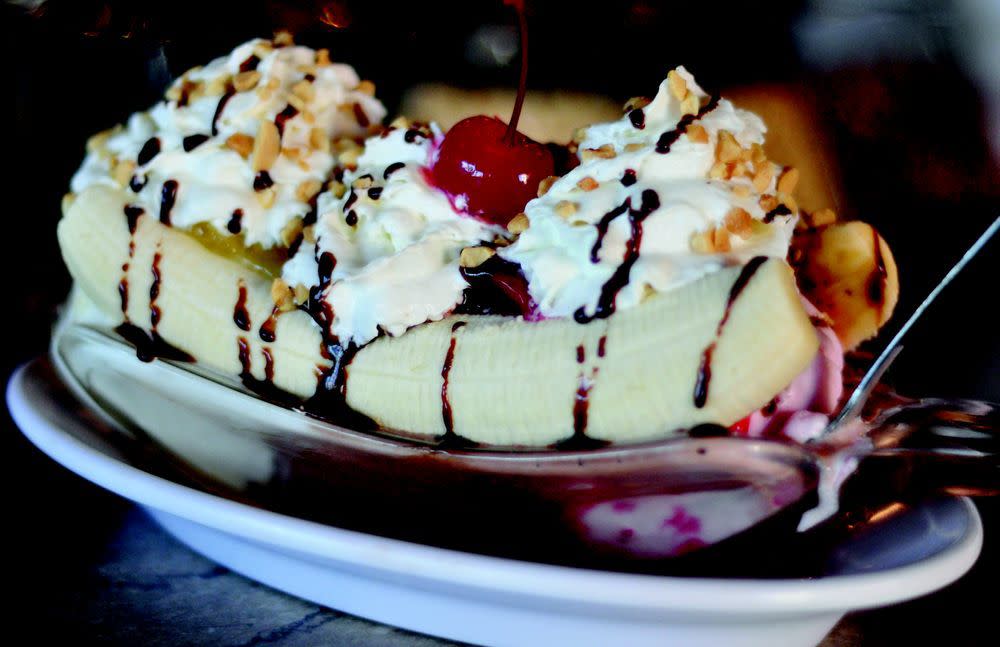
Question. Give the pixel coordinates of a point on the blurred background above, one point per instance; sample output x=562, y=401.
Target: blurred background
x=894, y=105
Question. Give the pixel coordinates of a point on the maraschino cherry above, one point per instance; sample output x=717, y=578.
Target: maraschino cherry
x=487, y=168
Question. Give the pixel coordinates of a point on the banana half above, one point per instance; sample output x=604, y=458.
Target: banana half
x=711, y=351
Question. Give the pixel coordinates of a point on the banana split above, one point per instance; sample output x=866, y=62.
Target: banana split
x=473, y=287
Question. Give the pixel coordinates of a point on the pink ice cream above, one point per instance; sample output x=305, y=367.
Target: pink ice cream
x=802, y=411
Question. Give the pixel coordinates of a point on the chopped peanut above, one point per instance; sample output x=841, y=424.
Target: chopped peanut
x=788, y=180
x=475, y=256
x=266, y=146
x=245, y=81
x=241, y=143
x=697, y=134
x=739, y=222
x=588, y=184
x=546, y=184
x=518, y=224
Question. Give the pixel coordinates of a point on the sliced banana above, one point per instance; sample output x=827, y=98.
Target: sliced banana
x=847, y=270
x=492, y=380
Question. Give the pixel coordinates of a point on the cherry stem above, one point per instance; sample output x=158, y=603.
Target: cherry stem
x=522, y=85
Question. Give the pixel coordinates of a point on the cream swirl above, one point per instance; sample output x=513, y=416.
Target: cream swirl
x=672, y=191
x=197, y=156
x=393, y=242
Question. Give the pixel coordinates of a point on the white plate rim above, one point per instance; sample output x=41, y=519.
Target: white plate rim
x=486, y=576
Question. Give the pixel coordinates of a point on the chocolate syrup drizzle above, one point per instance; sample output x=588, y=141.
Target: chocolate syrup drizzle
x=780, y=210
x=602, y=228
x=192, y=142
x=668, y=138
x=241, y=317
x=223, y=100
x=262, y=181
x=235, y=224
x=705, y=367
x=168, y=196
x=148, y=151
x=147, y=346
x=609, y=291
x=581, y=405
x=446, y=415
x=283, y=116
x=267, y=329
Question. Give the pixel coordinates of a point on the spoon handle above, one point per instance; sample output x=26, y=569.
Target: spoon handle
x=892, y=349
x=937, y=445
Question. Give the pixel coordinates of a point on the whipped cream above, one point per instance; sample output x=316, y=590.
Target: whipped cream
x=645, y=202
x=198, y=139
x=395, y=239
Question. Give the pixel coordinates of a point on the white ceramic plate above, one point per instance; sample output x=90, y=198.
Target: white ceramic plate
x=490, y=600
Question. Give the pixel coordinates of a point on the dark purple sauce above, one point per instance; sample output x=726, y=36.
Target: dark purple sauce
x=250, y=63
x=780, y=210
x=364, y=121
x=154, y=292
x=705, y=367
x=629, y=178
x=392, y=168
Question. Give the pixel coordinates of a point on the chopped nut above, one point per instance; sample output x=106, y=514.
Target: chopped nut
x=98, y=143
x=757, y=154
x=304, y=90
x=690, y=105
x=308, y=117
x=266, y=146
x=309, y=235
x=720, y=239
x=518, y=224
x=678, y=86
x=366, y=87
x=607, y=151
x=500, y=241
x=738, y=169
x=546, y=184
x=301, y=293
x=241, y=143
x=565, y=208
x=291, y=231
x=245, y=81
x=318, y=140
x=763, y=176
x=741, y=191
x=266, y=197
x=631, y=148
x=283, y=38
x=338, y=189
x=789, y=202
x=292, y=153
x=719, y=171
x=768, y=202
x=349, y=158
x=322, y=57
x=635, y=102
x=588, y=184
x=307, y=189
x=475, y=256
x=788, y=180
x=400, y=122
x=727, y=149
x=67, y=202
x=281, y=293
x=697, y=134
x=296, y=102
x=739, y=222
x=363, y=182
x=823, y=217
x=702, y=243
x=122, y=172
